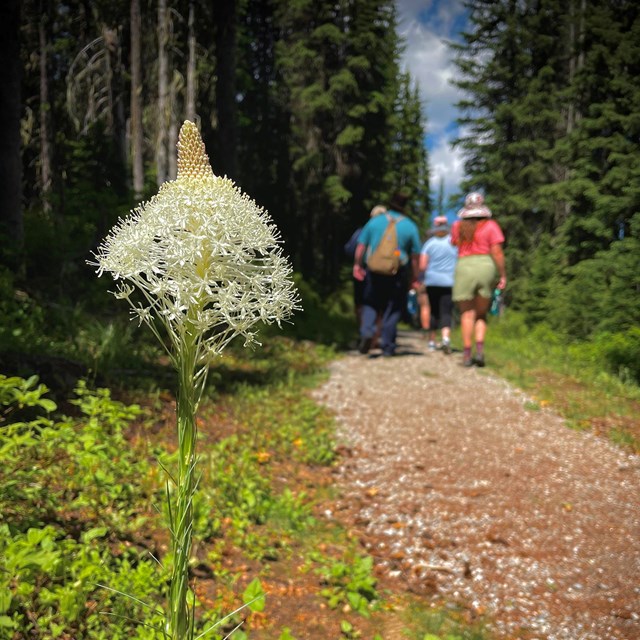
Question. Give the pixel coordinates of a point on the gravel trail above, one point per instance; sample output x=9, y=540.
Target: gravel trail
x=455, y=484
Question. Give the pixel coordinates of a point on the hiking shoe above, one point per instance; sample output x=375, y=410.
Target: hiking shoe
x=431, y=346
x=365, y=345
x=479, y=361
x=446, y=348
x=467, y=362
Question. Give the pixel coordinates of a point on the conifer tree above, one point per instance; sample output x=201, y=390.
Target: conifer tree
x=552, y=135
x=338, y=69
x=409, y=166
x=513, y=67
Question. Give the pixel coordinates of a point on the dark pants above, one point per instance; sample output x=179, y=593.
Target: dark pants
x=358, y=292
x=385, y=295
x=441, y=307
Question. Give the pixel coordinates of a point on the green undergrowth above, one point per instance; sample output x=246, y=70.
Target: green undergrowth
x=63, y=340
x=591, y=384
x=442, y=622
x=83, y=549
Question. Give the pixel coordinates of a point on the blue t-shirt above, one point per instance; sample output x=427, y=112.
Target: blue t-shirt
x=442, y=261
x=406, y=230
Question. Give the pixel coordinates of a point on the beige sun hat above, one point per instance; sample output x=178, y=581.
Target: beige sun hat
x=474, y=207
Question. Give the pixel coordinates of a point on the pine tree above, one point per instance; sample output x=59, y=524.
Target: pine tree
x=409, y=165
x=513, y=63
x=603, y=188
x=338, y=63
x=552, y=136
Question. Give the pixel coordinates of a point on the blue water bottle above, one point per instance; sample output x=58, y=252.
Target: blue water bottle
x=496, y=302
x=412, y=303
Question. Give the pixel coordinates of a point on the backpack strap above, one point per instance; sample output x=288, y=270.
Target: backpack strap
x=392, y=219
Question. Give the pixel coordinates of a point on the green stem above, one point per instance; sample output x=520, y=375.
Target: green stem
x=181, y=518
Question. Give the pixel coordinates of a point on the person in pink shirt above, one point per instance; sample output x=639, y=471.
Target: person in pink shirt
x=480, y=262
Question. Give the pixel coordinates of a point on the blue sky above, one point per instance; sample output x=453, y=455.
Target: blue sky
x=424, y=26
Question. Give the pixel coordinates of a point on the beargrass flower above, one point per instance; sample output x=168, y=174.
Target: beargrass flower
x=203, y=255
x=200, y=264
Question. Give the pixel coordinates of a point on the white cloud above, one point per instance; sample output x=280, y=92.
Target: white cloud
x=428, y=59
x=425, y=25
x=447, y=164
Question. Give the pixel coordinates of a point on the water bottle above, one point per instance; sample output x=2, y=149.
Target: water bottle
x=412, y=303
x=496, y=302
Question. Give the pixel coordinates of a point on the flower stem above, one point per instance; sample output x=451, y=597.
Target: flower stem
x=181, y=515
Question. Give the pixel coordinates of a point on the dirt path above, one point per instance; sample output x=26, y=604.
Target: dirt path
x=455, y=484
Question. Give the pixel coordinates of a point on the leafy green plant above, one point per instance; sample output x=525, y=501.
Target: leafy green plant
x=349, y=582
x=49, y=585
x=440, y=623
x=17, y=393
x=348, y=631
x=622, y=353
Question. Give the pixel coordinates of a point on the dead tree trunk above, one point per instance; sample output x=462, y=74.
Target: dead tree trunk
x=163, y=94
x=190, y=109
x=137, y=161
x=172, y=134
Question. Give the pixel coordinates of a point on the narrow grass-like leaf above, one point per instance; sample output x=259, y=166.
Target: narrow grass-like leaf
x=229, y=615
x=129, y=596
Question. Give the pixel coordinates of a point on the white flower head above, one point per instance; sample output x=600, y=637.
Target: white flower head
x=205, y=257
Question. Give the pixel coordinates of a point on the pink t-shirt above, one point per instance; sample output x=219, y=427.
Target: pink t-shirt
x=487, y=234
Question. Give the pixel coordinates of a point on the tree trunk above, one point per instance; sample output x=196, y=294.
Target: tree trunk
x=163, y=94
x=190, y=110
x=117, y=101
x=441, y=209
x=11, y=221
x=172, y=136
x=225, y=162
x=45, y=110
x=137, y=162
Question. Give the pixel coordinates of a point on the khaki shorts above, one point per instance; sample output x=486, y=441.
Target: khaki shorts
x=475, y=276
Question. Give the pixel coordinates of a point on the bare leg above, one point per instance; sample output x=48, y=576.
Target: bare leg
x=425, y=310
x=481, y=306
x=467, y=322
x=480, y=329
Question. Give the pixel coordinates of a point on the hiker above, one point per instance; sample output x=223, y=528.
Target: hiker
x=480, y=260
x=386, y=273
x=438, y=259
x=350, y=251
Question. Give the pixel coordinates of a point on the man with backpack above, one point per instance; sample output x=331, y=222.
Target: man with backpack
x=387, y=262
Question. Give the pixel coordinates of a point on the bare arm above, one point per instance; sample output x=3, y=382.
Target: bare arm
x=498, y=257
x=359, y=271
x=423, y=262
x=415, y=268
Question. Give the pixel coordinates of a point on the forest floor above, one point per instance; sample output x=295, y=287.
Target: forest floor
x=462, y=488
